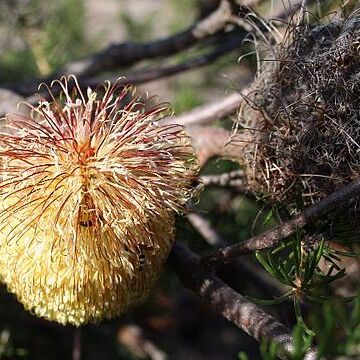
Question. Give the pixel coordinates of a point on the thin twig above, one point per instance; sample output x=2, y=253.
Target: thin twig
x=232, y=178
x=234, y=307
x=272, y=237
x=76, y=355
x=210, y=112
x=117, y=56
x=210, y=142
x=133, y=338
x=244, y=269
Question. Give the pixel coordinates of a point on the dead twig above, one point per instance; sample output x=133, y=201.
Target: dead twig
x=208, y=113
x=210, y=142
x=232, y=178
x=76, y=355
x=210, y=28
x=244, y=269
x=134, y=339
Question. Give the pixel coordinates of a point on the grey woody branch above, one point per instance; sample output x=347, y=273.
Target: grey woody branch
x=146, y=75
x=210, y=29
x=273, y=236
x=234, y=307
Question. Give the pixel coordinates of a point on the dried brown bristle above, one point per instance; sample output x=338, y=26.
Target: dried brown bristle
x=304, y=113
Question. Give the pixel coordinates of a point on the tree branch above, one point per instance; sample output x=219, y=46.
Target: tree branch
x=271, y=237
x=134, y=339
x=210, y=28
x=138, y=77
x=234, y=307
x=208, y=113
x=146, y=75
x=126, y=54
x=232, y=178
x=210, y=142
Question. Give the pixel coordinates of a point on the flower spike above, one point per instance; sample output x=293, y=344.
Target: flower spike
x=89, y=188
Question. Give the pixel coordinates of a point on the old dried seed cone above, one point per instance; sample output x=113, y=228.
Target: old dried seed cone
x=299, y=125
x=88, y=195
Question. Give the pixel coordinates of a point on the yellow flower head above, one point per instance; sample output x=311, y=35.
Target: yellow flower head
x=89, y=188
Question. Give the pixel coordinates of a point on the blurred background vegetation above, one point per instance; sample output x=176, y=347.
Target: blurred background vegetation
x=37, y=37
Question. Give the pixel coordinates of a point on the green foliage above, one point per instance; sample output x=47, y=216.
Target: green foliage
x=63, y=36
x=7, y=348
x=13, y=61
x=302, y=340
x=52, y=34
x=337, y=327
x=138, y=30
x=268, y=351
x=186, y=99
x=242, y=356
x=295, y=263
x=301, y=344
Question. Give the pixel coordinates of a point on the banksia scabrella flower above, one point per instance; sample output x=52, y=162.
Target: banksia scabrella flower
x=89, y=189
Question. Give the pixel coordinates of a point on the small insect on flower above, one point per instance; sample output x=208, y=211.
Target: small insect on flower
x=90, y=185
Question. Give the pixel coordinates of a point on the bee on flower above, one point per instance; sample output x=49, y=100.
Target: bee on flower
x=90, y=185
